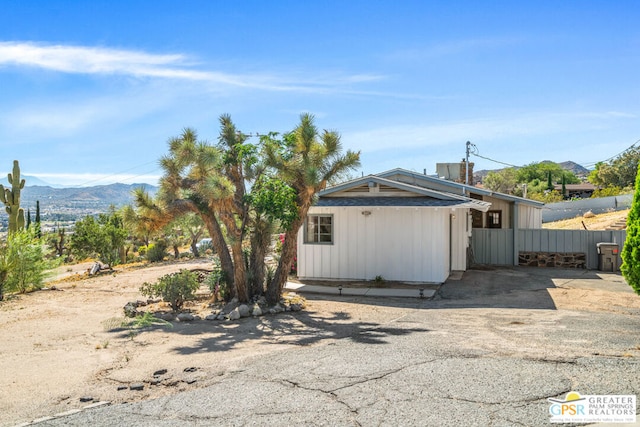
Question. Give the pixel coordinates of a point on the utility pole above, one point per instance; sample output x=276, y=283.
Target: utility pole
x=466, y=173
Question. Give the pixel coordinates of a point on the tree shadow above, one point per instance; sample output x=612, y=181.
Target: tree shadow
x=301, y=328
x=509, y=287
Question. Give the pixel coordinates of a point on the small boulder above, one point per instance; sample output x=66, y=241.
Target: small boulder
x=136, y=386
x=221, y=316
x=235, y=314
x=243, y=309
x=165, y=316
x=296, y=307
x=130, y=310
x=159, y=372
x=276, y=309
x=186, y=317
x=86, y=399
x=229, y=307
x=212, y=316
x=588, y=214
x=256, y=311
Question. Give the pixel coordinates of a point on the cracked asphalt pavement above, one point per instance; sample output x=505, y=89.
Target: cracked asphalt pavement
x=488, y=351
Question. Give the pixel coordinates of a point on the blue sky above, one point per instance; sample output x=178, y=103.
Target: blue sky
x=90, y=91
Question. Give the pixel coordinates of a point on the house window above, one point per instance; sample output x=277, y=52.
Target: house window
x=494, y=219
x=319, y=229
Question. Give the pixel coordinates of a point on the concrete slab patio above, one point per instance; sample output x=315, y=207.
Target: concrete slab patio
x=417, y=292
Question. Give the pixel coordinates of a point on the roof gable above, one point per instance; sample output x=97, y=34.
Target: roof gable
x=442, y=185
x=364, y=186
x=378, y=188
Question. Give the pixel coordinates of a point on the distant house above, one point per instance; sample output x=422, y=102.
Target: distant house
x=402, y=225
x=582, y=191
x=375, y=226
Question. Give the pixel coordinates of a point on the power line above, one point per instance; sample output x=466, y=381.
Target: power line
x=495, y=161
x=115, y=174
x=475, y=152
x=617, y=155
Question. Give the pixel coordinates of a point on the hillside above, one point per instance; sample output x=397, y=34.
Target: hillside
x=598, y=222
x=574, y=167
x=577, y=169
x=113, y=194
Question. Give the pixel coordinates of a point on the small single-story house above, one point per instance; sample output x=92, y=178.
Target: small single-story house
x=377, y=226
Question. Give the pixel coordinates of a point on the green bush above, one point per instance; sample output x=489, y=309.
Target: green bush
x=157, y=251
x=217, y=282
x=4, y=271
x=175, y=288
x=631, y=250
x=22, y=263
x=610, y=191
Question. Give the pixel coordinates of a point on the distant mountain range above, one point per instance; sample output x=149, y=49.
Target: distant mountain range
x=577, y=169
x=75, y=203
x=116, y=194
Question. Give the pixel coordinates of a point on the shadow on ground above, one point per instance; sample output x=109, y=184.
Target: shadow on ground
x=301, y=328
x=508, y=287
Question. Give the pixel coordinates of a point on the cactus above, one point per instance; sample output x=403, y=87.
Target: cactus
x=11, y=198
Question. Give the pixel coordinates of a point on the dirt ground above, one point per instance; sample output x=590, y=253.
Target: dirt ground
x=57, y=347
x=597, y=222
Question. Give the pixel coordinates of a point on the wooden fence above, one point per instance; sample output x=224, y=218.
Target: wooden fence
x=496, y=246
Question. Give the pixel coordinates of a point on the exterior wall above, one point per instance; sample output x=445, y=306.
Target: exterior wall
x=398, y=243
x=529, y=217
x=460, y=233
x=499, y=205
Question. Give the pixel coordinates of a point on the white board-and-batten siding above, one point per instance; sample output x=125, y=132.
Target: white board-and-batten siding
x=397, y=243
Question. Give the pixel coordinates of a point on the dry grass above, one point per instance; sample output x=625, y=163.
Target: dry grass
x=599, y=222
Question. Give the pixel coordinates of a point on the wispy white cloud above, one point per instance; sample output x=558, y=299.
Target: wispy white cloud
x=106, y=61
x=97, y=60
